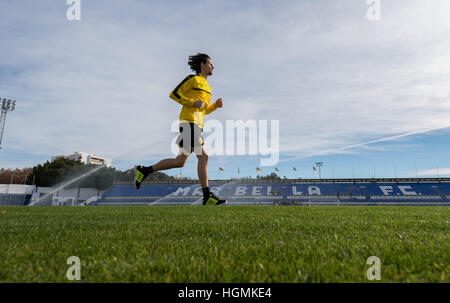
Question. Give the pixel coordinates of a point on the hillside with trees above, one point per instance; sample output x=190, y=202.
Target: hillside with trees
x=63, y=170
x=17, y=176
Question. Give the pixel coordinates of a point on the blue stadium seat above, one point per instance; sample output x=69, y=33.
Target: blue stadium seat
x=14, y=199
x=269, y=193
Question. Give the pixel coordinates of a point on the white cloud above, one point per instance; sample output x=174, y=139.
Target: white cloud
x=434, y=172
x=330, y=76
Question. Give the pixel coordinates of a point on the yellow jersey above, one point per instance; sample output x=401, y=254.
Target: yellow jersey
x=193, y=88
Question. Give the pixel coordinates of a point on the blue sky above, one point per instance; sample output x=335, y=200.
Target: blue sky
x=333, y=79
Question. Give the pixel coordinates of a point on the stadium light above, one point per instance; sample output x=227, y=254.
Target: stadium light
x=319, y=165
x=7, y=105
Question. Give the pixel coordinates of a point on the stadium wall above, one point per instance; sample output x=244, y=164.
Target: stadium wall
x=429, y=191
x=73, y=196
x=288, y=192
x=15, y=194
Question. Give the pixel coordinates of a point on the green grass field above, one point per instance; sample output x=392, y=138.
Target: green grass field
x=225, y=244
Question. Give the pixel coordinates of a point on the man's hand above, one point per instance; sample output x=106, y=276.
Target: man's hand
x=219, y=103
x=199, y=104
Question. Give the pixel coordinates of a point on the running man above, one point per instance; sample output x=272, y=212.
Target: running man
x=194, y=94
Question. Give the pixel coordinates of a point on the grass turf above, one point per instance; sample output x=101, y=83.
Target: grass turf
x=224, y=244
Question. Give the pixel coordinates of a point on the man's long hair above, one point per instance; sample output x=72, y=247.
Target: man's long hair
x=195, y=61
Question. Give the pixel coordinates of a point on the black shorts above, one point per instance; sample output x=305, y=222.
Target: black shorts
x=190, y=136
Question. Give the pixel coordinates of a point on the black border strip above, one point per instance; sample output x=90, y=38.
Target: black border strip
x=175, y=91
x=196, y=88
x=279, y=292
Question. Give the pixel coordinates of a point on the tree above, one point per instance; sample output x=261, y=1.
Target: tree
x=55, y=172
x=63, y=170
x=17, y=176
x=272, y=176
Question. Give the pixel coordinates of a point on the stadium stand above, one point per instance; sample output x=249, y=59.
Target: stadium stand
x=287, y=192
x=243, y=192
x=14, y=199
x=15, y=195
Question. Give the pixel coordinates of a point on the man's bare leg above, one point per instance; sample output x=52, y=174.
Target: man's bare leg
x=202, y=167
x=169, y=163
x=143, y=171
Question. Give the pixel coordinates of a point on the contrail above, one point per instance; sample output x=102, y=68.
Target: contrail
x=366, y=143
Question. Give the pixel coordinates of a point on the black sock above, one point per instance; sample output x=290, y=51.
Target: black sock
x=148, y=169
x=205, y=192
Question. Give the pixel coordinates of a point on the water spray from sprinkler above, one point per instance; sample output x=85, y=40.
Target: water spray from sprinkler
x=66, y=184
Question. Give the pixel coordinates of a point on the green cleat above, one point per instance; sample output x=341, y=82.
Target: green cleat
x=141, y=174
x=213, y=200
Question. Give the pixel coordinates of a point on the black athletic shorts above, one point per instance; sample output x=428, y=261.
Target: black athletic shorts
x=190, y=136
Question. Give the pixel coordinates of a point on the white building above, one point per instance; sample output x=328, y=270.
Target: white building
x=86, y=158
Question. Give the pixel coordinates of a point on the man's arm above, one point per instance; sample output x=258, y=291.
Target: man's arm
x=214, y=106
x=177, y=93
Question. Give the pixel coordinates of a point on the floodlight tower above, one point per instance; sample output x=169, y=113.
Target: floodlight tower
x=319, y=165
x=7, y=105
